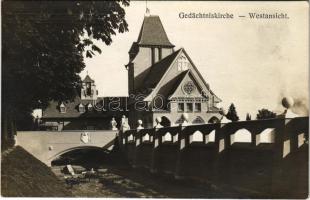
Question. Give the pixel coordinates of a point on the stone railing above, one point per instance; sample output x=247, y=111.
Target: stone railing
x=269, y=157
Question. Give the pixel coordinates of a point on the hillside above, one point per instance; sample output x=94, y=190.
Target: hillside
x=22, y=175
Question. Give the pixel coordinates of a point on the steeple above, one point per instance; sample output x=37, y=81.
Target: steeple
x=152, y=33
x=151, y=46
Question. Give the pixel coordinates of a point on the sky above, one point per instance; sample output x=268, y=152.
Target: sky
x=252, y=63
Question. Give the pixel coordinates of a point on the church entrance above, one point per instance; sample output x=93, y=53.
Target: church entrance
x=165, y=122
x=214, y=120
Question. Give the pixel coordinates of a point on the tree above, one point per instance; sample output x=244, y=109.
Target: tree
x=248, y=117
x=232, y=113
x=265, y=114
x=43, y=46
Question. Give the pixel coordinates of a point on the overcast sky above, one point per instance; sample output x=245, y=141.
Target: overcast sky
x=252, y=63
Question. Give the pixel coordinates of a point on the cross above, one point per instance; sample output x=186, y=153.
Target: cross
x=147, y=10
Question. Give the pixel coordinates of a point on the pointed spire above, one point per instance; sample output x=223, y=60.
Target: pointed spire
x=153, y=33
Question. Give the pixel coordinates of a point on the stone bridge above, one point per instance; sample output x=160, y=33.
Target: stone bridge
x=48, y=145
x=269, y=157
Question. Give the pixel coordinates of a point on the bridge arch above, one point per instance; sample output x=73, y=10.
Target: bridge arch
x=58, y=155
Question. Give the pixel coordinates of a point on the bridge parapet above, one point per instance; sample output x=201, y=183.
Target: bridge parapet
x=47, y=145
x=268, y=156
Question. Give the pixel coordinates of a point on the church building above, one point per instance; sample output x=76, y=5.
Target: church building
x=164, y=83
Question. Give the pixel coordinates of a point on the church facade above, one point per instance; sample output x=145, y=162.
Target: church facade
x=164, y=83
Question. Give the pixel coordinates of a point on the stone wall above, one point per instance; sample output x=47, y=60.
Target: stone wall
x=269, y=157
x=47, y=145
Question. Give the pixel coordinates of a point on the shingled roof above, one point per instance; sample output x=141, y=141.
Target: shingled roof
x=152, y=32
x=72, y=108
x=88, y=79
x=158, y=70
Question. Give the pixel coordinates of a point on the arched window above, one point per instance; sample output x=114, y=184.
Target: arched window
x=198, y=120
x=165, y=122
x=182, y=63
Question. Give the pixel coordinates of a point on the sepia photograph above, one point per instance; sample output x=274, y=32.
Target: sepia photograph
x=155, y=99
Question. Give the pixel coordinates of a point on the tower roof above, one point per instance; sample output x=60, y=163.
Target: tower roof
x=153, y=33
x=87, y=79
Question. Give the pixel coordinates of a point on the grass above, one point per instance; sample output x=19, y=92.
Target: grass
x=22, y=175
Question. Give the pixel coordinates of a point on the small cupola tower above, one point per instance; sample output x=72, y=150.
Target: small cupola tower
x=88, y=89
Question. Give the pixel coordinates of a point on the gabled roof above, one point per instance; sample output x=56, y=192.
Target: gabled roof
x=88, y=79
x=177, y=82
x=181, y=80
x=153, y=33
x=158, y=69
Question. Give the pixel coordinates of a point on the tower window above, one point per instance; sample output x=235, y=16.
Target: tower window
x=189, y=107
x=180, y=107
x=197, y=107
x=88, y=89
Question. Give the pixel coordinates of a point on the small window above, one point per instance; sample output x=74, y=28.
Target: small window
x=182, y=63
x=88, y=89
x=197, y=107
x=180, y=107
x=62, y=108
x=189, y=107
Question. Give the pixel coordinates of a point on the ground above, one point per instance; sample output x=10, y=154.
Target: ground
x=24, y=176
x=123, y=181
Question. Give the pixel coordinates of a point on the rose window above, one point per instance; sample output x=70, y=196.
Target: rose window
x=189, y=87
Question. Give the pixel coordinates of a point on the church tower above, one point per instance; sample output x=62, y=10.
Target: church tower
x=152, y=45
x=88, y=90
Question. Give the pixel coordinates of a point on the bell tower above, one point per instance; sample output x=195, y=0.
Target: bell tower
x=88, y=89
x=151, y=46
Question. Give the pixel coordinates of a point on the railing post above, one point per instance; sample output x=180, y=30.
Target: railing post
x=222, y=141
x=281, y=146
x=182, y=143
x=154, y=156
x=137, y=140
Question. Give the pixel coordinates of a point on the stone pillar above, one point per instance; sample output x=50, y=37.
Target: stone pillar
x=182, y=143
x=138, y=141
x=156, y=141
x=221, y=164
